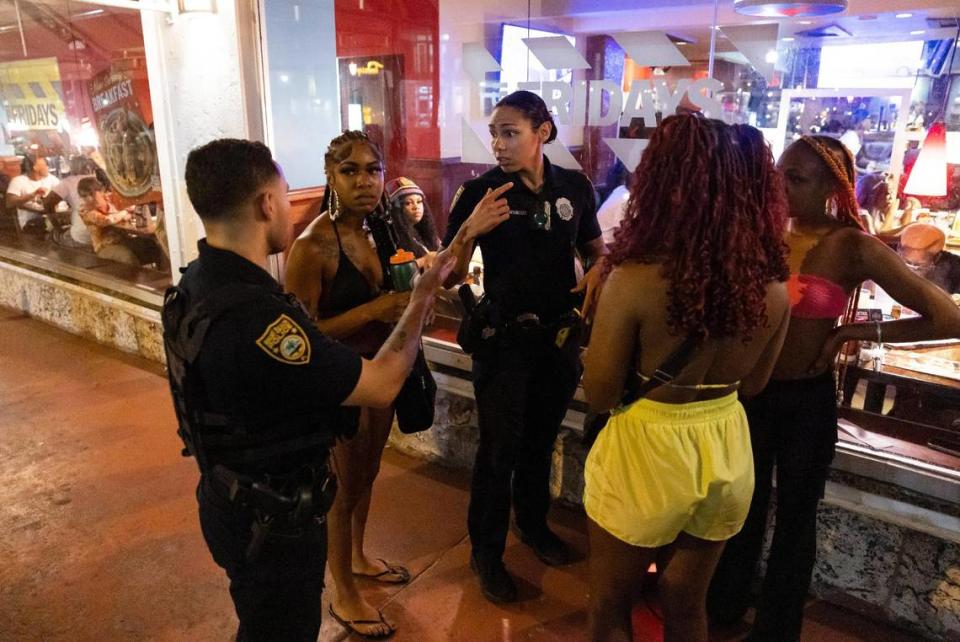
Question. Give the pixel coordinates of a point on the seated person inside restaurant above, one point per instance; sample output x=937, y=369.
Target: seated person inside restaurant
x=76, y=234
x=922, y=249
x=110, y=242
x=26, y=193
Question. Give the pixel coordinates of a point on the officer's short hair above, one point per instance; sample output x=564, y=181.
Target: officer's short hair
x=225, y=173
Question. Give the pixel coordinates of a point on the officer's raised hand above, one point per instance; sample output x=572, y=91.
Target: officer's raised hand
x=489, y=212
x=382, y=376
x=433, y=278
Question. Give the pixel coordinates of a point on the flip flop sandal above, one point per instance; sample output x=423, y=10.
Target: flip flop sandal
x=351, y=625
x=403, y=575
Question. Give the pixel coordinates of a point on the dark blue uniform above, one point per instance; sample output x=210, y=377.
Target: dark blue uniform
x=263, y=397
x=522, y=381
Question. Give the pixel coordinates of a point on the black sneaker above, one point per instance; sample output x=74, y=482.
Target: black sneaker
x=551, y=550
x=495, y=582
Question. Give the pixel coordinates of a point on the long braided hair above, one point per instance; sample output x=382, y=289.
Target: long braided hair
x=380, y=222
x=839, y=162
x=696, y=209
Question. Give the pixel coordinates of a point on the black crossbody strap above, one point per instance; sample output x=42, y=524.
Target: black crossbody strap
x=675, y=362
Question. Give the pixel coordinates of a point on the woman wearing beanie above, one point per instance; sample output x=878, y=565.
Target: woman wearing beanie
x=409, y=210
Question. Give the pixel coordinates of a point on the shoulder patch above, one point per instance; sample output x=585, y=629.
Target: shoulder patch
x=285, y=341
x=456, y=197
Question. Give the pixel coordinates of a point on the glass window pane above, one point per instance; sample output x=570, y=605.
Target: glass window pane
x=422, y=78
x=81, y=182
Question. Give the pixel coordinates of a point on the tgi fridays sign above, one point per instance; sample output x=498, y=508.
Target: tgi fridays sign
x=31, y=94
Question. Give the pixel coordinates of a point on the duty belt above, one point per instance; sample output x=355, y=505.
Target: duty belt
x=287, y=510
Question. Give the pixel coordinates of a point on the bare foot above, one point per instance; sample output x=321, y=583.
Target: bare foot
x=380, y=570
x=362, y=619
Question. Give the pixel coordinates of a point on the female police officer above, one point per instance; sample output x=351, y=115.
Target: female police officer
x=529, y=218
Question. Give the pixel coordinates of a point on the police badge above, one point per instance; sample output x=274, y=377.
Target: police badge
x=564, y=209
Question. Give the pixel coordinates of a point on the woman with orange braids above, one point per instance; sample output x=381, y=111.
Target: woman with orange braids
x=793, y=422
x=695, y=256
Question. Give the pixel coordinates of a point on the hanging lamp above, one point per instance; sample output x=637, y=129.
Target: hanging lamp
x=929, y=174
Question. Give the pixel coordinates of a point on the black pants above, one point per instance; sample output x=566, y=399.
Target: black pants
x=793, y=424
x=522, y=389
x=277, y=595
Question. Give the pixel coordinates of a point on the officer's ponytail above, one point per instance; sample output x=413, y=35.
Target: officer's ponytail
x=533, y=108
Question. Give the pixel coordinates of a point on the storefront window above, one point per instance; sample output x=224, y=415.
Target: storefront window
x=79, y=168
x=421, y=78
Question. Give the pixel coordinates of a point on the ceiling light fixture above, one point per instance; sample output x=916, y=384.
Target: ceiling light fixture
x=772, y=9
x=904, y=15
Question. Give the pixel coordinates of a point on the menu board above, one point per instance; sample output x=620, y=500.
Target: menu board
x=126, y=136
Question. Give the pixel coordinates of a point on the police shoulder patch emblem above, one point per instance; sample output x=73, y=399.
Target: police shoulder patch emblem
x=564, y=209
x=285, y=341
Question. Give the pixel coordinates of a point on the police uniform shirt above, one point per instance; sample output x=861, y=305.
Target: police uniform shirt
x=264, y=361
x=528, y=269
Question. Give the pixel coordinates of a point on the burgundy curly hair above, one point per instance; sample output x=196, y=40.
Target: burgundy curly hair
x=708, y=205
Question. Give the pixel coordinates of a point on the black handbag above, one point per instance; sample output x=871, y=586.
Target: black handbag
x=416, y=401
x=414, y=404
x=676, y=361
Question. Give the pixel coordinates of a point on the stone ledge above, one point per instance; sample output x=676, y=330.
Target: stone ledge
x=89, y=313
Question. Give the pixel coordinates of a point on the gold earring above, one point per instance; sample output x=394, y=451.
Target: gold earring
x=334, y=205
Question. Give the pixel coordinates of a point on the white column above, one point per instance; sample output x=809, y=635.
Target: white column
x=197, y=91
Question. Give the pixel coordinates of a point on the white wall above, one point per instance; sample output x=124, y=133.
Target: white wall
x=197, y=92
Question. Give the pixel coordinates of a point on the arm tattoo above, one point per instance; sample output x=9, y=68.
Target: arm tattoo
x=398, y=340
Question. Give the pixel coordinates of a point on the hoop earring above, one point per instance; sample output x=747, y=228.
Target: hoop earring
x=833, y=207
x=334, y=205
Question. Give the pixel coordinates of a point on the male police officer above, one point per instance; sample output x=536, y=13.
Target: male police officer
x=257, y=390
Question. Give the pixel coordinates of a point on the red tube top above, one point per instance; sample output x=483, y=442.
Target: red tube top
x=815, y=297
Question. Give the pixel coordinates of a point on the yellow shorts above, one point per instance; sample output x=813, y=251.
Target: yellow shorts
x=658, y=469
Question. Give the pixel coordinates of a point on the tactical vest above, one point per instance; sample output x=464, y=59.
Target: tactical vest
x=215, y=438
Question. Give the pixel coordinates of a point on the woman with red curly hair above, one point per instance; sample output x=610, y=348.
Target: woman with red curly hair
x=699, y=254
x=793, y=422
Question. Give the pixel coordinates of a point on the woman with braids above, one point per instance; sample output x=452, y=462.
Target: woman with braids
x=336, y=271
x=695, y=256
x=793, y=422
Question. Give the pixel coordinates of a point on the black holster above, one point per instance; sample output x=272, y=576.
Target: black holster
x=479, y=323
x=280, y=507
